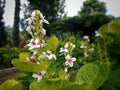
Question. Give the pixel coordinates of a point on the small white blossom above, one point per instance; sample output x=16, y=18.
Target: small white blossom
x=43, y=32
x=69, y=60
x=64, y=49
x=30, y=20
x=43, y=20
x=39, y=76
x=33, y=44
x=38, y=62
x=83, y=46
x=42, y=56
x=51, y=55
x=72, y=46
x=29, y=29
x=85, y=54
x=66, y=69
x=34, y=52
x=86, y=38
x=91, y=49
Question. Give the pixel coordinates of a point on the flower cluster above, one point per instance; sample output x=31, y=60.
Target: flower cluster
x=41, y=54
x=37, y=42
x=66, y=50
x=86, y=47
x=34, y=17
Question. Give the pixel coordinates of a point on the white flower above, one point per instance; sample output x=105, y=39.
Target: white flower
x=66, y=69
x=83, y=46
x=43, y=19
x=34, y=52
x=43, y=32
x=39, y=76
x=33, y=44
x=43, y=56
x=64, y=49
x=69, y=60
x=51, y=55
x=86, y=38
x=91, y=49
x=29, y=29
x=72, y=46
x=85, y=54
x=30, y=20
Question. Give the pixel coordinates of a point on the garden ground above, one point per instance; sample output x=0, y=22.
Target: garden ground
x=8, y=73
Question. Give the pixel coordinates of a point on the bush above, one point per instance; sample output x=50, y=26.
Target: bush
x=7, y=54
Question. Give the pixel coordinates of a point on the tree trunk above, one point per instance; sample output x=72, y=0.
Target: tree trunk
x=3, y=34
x=16, y=23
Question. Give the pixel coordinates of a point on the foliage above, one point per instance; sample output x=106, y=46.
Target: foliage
x=110, y=34
x=7, y=54
x=79, y=25
x=52, y=64
x=11, y=85
x=91, y=6
x=93, y=15
x=52, y=9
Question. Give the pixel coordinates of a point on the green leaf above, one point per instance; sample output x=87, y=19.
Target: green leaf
x=74, y=87
x=103, y=31
x=93, y=74
x=22, y=56
x=62, y=74
x=10, y=84
x=114, y=78
x=114, y=27
x=28, y=66
x=45, y=85
x=110, y=30
x=53, y=43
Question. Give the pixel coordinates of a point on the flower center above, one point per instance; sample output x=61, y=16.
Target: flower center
x=40, y=74
x=33, y=43
x=69, y=60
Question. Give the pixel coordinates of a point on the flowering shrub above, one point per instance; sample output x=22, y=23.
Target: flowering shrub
x=52, y=64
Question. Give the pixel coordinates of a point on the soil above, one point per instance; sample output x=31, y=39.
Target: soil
x=8, y=73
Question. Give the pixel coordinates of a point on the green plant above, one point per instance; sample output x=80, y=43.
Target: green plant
x=7, y=54
x=110, y=35
x=52, y=64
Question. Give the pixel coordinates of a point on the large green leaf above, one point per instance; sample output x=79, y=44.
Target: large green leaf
x=114, y=78
x=10, y=85
x=114, y=27
x=45, y=85
x=74, y=87
x=53, y=43
x=111, y=29
x=103, y=31
x=50, y=85
x=93, y=74
x=28, y=66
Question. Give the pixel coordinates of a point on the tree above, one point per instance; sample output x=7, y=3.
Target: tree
x=16, y=23
x=91, y=6
x=93, y=15
x=3, y=34
x=52, y=9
